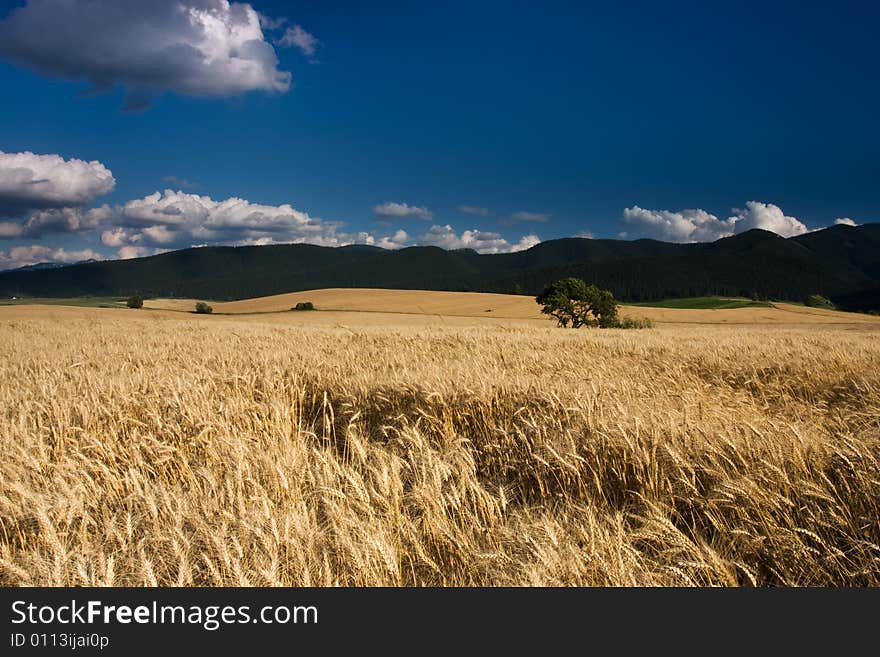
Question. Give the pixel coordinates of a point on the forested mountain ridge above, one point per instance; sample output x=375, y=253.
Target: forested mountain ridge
x=840, y=262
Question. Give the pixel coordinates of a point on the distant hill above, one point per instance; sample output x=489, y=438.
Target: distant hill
x=36, y=265
x=47, y=265
x=840, y=262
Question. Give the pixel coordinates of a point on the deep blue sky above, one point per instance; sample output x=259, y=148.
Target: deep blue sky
x=577, y=110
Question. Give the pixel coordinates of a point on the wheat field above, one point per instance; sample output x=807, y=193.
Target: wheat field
x=501, y=306
x=154, y=448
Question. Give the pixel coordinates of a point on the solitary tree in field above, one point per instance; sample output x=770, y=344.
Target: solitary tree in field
x=135, y=301
x=573, y=302
x=203, y=309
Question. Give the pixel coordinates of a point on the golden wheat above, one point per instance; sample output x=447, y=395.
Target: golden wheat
x=504, y=306
x=149, y=448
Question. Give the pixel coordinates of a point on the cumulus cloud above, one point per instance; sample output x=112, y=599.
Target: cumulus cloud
x=210, y=48
x=129, y=252
x=62, y=220
x=175, y=219
x=160, y=234
x=115, y=237
x=22, y=256
x=584, y=234
x=691, y=225
x=392, y=210
x=57, y=220
x=481, y=241
x=695, y=225
x=29, y=182
x=474, y=209
x=844, y=221
x=297, y=36
x=393, y=242
x=767, y=216
x=525, y=242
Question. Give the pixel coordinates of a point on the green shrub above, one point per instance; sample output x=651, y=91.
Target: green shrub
x=304, y=305
x=203, y=309
x=135, y=301
x=818, y=301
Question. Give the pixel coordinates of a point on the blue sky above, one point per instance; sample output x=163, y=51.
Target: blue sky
x=684, y=121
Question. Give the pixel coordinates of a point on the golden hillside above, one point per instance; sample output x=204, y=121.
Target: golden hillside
x=504, y=306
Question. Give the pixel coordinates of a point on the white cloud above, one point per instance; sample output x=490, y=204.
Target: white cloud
x=474, y=209
x=65, y=220
x=129, y=252
x=159, y=234
x=767, y=216
x=392, y=210
x=584, y=234
x=844, y=221
x=269, y=23
x=297, y=36
x=525, y=242
x=175, y=219
x=29, y=181
x=22, y=256
x=56, y=220
x=396, y=241
x=208, y=48
x=690, y=225
x=481, y=241
x=115, y=237
x=695, y=225
x=10, y=229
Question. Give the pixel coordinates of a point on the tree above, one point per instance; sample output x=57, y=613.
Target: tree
x=135, y=301
x=203, y=309
x=572, y=302
x=304, y=305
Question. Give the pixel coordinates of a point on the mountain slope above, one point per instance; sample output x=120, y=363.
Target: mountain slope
x=841, y=262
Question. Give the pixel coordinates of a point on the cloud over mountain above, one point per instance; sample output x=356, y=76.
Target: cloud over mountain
x=767, y=216
x=696, y=225
x=481, y=241
x=399, y=240
x=22, y=256
x=175, y=219
x=691, y=225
